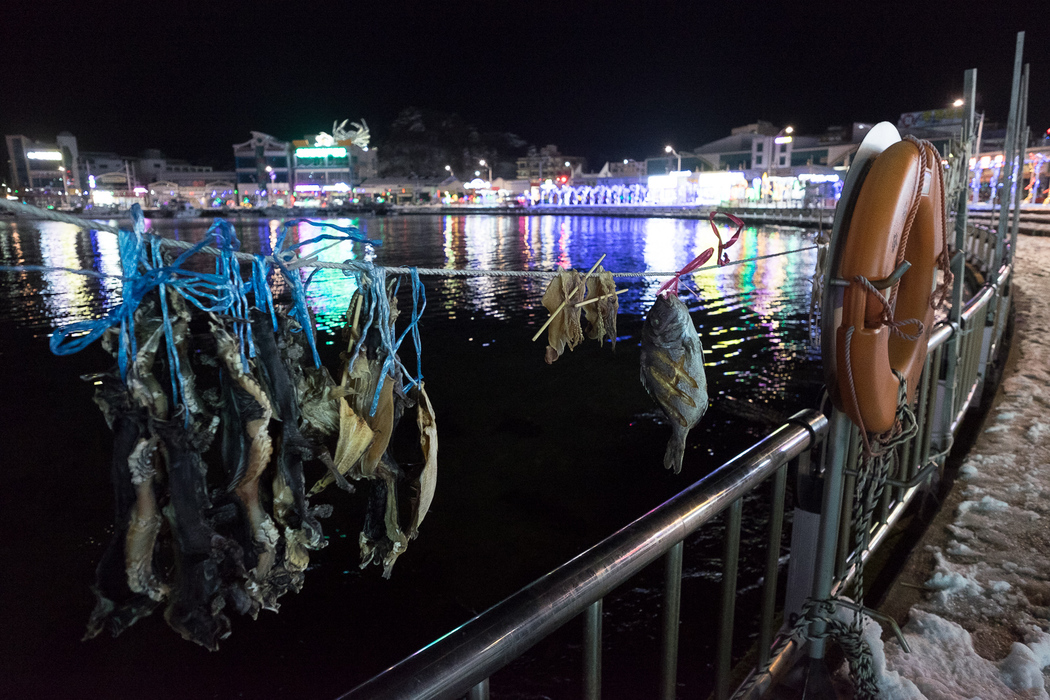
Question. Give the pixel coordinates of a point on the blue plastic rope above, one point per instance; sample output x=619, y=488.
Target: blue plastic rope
x=419, y=303
x=142, y=274
x=300, y=310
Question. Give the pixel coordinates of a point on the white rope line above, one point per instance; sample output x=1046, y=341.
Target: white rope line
x=293, y=262
x=30, y=210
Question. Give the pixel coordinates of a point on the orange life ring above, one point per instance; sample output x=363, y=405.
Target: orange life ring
x=898, y=217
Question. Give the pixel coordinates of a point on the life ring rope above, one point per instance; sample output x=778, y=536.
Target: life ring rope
x=886, y=313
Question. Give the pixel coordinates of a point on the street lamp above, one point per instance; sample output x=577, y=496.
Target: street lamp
x=483, y=164
x=669, y=149
x=449, y=169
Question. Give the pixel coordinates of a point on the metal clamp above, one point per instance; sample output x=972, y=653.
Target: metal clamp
x=878, y=284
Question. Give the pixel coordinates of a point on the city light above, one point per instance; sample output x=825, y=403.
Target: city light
x=782, y=139
x=44, y=155
x=818, y=177
x=958, y=103
x=321, y=152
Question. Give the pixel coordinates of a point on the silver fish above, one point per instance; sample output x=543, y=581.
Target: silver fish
x=673, y=371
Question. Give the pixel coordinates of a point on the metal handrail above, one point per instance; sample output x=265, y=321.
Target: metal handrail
x=453, y=664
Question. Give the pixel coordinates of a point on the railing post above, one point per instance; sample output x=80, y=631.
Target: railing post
x=479, y=691
x=1022, y=149
x=730, y=563
x=672, y=615
x=805, y=532
x=1006, y=198
x=592, y=652
x=831, y=511
x=962, y=212
x=769, y=591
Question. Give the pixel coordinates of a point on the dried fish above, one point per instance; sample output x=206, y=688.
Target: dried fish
x=601, y=314
x=205, y=561
x=566, y=288
x=117, y=607
x=382, y=540
x=424, y=485
x=247, y=449
x=672, y=371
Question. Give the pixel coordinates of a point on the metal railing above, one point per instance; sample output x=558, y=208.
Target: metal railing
x=462, y=661
x=467, y=656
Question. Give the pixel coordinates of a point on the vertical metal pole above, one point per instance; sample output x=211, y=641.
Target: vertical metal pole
x=962, y=212
x=769, y=590
x=730, y=561
x=592, y=652
x=672, y=615
x=480, y=691
x=1022, y=150
x=845, y=542
x=1008, y=157
x=836, y=450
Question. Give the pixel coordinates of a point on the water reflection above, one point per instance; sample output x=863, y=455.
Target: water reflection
x=751, y=316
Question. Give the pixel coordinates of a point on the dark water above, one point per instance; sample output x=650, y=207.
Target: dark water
x=536, y=462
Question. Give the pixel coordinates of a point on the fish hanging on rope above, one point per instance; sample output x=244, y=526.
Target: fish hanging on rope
x=672, y=362
x=564, y=292
x=673, y=371
x=372, y=401
x=601, y=312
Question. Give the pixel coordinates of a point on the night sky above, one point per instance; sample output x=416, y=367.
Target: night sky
x=605, y=80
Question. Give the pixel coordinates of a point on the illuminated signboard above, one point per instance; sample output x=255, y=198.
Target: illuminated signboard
x=782, y=139
x=336, y=151
x=307, y=188
x=44, y=155
x=818, y=177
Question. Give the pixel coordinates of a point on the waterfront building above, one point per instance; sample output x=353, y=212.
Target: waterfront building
x=42, y=172
x=549, y=164
x=150, y=179
x=331, y=167
x=402, y=190
x=628, y=168
x=263, y=170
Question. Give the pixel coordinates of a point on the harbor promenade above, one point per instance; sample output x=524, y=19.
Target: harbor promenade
x=973, y=597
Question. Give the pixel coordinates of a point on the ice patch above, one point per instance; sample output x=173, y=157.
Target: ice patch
x=999, y=586
x=949, y=583
x=997, y=429
x=985, y=505
x=1035, y=433
x=943, y=665
x=1006, y=415
x=968, y=471
x=961, y=550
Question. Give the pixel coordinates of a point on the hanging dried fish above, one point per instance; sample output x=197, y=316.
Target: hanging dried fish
x=672, y=371
x=208, y=567
x=564, y=292
x=424, y=485
x=247, y=449
x=601, y=314
x=117, y=607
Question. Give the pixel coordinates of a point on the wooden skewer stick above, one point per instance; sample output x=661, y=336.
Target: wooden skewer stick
x=603, y=296
x=310, y=260
x=570, y=296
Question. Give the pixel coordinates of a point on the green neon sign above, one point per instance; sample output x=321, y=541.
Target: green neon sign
x=320, y=152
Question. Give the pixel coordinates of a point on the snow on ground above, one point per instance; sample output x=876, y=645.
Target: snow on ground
x=993, y=577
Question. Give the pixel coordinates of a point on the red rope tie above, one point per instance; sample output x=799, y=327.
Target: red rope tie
x=671, y=285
